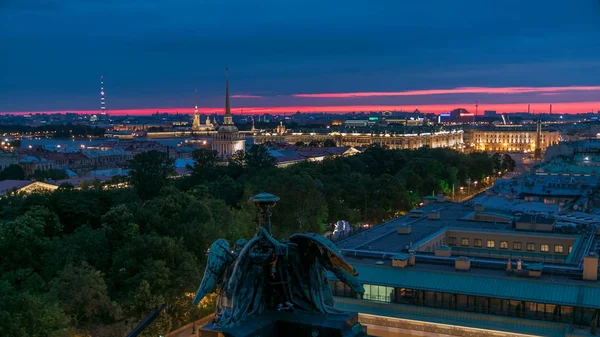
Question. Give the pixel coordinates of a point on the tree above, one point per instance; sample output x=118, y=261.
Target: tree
x=497, y=161
x=83, y=293
x=150, y=172
x=12, y=172
x=205, y=159
x=23, y=314
x=258, y=157
x=300, y=144
x=314, y=143
x=143, y=303
x=51, y=174
x=508, y=163
x=329, y=143
x=238, y=158
x=66, y=187
x=119, y=225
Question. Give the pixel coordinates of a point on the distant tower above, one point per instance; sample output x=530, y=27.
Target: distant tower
x=538, y=140
x=196, y=121
x=476, y=110
x=528, y=108
x=207, y=123
x=253, y=128
x=551, y=109
x=228, y=139
x=102, y=100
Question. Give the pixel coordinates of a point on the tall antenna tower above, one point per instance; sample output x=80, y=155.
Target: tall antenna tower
x=476, y=110
x=102, y=100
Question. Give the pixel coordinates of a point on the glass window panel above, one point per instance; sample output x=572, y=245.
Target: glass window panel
x=464, y=242
x=566, y=314
x=491, y=243
x=516, y=246
x=429, y=299
x=496, y=306
x=531, y=247
x=448, y=299
x=558, y=248
x=544, y=248
x=462, y=302
x=503, y=244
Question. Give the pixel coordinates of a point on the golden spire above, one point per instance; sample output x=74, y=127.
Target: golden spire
x=228, y=119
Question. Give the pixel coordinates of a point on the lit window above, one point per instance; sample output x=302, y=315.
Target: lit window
x=477, y=242
x=378, y=293
x=464, y=242
x=503, y=244
x=451, y=241
x=516, y=246
x=491, y=243
x=570, y=249
x=558, y=248
x=531, y=247
x=544, y=248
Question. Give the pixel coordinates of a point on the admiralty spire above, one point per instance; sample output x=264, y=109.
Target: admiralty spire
x=228, y=139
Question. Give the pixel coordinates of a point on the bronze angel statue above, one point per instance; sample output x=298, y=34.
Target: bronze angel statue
x=265, y=274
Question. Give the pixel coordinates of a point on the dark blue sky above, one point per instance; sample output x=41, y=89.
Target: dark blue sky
x=153, y=53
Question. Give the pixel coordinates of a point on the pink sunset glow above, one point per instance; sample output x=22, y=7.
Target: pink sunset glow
x=571, y=107
x=462, y=90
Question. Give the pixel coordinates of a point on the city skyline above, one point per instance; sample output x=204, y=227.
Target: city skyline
x=292, y=56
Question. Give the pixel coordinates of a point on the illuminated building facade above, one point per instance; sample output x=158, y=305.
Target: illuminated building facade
x=510, y=139
x=196, y=124
x=449, y=139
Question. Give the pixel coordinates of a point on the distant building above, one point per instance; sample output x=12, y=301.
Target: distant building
x=510, y=139
x=196, y=125
x=490, y=113
x=450, y=139
x=228, y=139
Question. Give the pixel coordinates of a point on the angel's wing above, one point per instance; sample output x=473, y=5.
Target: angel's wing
x=328, y=255
x=219, y=257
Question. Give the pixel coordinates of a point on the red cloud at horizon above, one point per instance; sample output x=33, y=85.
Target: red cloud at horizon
x=571, y=107
x=461, y=90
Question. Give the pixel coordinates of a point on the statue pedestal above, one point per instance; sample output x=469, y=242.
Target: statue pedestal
x=288, y=324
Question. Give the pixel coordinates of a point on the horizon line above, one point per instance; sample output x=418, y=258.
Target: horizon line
x=558, y=108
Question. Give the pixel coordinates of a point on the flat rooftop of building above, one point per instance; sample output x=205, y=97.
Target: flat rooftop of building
x=529, y=218
x=497, y=203
x=480, y=281
x=384, y=237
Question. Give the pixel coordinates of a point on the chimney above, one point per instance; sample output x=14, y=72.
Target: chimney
x=462, y=263
x=400, y=260
x=590, y=267
x=411, y=258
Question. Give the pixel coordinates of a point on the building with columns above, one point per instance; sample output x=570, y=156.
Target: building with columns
x=450, y=139
x=228, y=138
x=511, y=139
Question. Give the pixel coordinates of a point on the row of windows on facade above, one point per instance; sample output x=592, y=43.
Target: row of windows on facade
x=479, y=304
x=530, y=247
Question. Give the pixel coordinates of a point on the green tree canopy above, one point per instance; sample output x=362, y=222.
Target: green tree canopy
x=12, y=172
x=149, y=172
